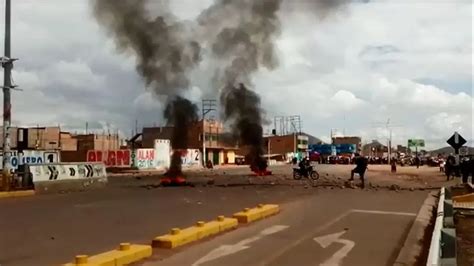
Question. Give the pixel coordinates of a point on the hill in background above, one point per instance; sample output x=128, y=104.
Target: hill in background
x=448, y=150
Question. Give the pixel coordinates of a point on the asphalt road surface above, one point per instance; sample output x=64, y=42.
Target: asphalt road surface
x=52, y=229
x=353, y=227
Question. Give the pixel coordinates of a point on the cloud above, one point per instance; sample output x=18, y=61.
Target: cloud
x=350, y=71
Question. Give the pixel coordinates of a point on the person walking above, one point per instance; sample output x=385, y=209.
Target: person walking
x=393, y=165
x=361, y=166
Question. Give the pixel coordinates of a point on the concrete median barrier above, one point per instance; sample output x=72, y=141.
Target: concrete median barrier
x=56, y=177
x=125, y=254
x=16, y=194
x=179, y=237
x=249, y=215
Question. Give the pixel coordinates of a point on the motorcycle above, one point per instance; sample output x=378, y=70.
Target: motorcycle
x=310, y=173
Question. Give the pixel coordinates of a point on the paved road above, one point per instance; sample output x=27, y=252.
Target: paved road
x=51, y=229
x=351, y=227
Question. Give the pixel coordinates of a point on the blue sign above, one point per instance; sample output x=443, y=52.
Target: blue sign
x=328, y=149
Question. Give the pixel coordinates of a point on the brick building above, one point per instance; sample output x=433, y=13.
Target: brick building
x=103, y=142
x=375, y=149
x=280, y=147
x=34, y=138
x=219, y=150
x=67, y=142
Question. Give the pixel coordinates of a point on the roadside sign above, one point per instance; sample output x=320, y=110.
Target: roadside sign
x=456, y=141
x=416, y=143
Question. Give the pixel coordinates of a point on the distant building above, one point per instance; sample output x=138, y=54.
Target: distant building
x=38, y=138
x=348, y=140
x=102, y=142
x=86, y=142
x=220, y=149
x=280, y=147
x=67, y=142
x=374, y=149
x=403, y=149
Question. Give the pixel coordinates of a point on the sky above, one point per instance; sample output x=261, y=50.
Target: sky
x=406, y=62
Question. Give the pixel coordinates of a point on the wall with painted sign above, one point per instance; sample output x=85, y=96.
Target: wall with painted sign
x=191, y=158
x=162, y=153
x=31, y=157
x=160, y=157
x=145, y=159
x=111, y=158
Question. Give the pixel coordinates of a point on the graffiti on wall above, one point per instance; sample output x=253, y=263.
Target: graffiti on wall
x=112, y=158
x=31, y=157
x=191, y=157
x=145, y=158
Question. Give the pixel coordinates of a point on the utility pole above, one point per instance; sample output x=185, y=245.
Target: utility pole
x=208, y=105
x=136, y=126
x=389, y=127
x=7, y=64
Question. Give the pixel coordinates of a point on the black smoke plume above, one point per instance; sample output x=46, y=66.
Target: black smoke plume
x=242, y=107
x=165, y=54
x=180, y=114
x=164, y=51
x=243, y=48
x=241, y=35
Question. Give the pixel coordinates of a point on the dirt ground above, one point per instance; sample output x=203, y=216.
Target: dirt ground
x=377, y=176
x=465, y=238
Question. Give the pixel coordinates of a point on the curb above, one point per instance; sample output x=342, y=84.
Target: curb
x=16, y=194
x=261, y=211
x=127, y=253
x=180, y=237
x=123, y=255
x=413, y=245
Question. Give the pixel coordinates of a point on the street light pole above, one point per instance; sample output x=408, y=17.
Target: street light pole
x=7, y=64
x=207, y=106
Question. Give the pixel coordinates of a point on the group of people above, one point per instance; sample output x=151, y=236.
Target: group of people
x=464, y=169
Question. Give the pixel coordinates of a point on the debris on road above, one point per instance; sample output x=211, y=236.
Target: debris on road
x=394, y=187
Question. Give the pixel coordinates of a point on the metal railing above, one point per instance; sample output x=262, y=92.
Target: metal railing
x=443, y=241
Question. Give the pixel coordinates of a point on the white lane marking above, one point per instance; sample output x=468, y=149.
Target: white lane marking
x=226, y=250
x=326, y=240
x=385, y=212
x=279, y=253
x=273, y=229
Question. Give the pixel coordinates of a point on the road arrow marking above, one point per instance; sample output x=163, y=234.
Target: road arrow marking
x=226, y=250
x=327, y=240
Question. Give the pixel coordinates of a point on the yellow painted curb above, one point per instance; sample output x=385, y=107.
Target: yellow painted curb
x=14, y=194
x=179, y=237
x=464, y=198
x=123, y=255
x=254, y=214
